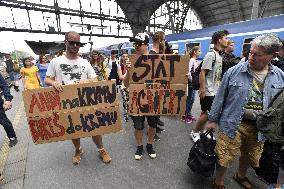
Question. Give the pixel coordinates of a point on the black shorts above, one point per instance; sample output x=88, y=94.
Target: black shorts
x=206, y=103
x=138, y=121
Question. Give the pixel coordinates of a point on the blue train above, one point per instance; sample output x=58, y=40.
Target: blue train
x=241, y=32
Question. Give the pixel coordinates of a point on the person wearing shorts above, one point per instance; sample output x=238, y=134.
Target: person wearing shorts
x=141, y=42
x=246, y=90
x=209, y=80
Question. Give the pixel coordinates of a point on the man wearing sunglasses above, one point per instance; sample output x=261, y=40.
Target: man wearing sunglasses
x=69, y=69
x=140, y=42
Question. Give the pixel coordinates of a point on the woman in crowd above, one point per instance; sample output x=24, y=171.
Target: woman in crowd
x=121, y=70
x=194, y=53
x=42, y=68
x=30, y=76
x=97, y=64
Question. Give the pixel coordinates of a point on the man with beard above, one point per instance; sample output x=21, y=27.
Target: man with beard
x=68, y=69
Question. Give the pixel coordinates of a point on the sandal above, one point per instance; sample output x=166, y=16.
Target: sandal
x=244, y=182
x=1, y=178
x=217, y=186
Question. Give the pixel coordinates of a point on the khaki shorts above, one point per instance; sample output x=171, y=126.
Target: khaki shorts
x=245, y=142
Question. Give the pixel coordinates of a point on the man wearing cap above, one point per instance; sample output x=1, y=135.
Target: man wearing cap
x=140, y=43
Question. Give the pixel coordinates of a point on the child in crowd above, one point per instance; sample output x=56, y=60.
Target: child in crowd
x=30, y=76
x=194, y=53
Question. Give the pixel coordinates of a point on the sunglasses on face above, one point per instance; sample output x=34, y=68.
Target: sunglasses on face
x=137, y=44
x=75, y=42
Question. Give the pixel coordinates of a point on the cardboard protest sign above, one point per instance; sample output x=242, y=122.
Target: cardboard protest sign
x=146, y=99
x=156, y=67
x=92, y=109
x=74, y=124
x=158, y=84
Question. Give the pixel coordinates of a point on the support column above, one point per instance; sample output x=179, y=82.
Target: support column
x=255, y=9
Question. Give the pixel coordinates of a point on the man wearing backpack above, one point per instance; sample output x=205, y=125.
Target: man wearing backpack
x=246, y=90
x=210, y=79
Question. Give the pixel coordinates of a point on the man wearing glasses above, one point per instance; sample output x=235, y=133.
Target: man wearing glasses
x=141, y=41
x=69, y=69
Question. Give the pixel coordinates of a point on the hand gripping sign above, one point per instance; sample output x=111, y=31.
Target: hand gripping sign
x=158, y=84
x=79, y=111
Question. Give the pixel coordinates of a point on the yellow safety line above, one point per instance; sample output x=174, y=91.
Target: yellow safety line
x=4, y=151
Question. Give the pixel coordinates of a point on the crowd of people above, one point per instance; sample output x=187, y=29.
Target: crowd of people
x=232, y=91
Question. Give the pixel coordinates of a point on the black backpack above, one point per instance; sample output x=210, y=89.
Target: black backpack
x=195, y=74
x=270, y=122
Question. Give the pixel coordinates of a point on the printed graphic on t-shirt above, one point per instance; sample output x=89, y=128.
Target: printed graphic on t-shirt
x=255, y=97
x=73, y=71
x=217, y=74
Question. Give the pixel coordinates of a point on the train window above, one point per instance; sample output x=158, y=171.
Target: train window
x=189, y=46
x=246, y=45
x=248, y=40
x=174, y=48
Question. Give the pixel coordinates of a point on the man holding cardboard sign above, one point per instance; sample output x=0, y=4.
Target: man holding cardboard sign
x=69, y=69
x=158, y=86
x=141, y=41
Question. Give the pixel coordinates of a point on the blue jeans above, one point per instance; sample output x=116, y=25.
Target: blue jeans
x=190, y=98
x=6, y=123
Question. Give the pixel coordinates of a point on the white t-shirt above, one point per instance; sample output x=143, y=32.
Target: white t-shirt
x=68, y=71
x=192, y=64
x=214, y=76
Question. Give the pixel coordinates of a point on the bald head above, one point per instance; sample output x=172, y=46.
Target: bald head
x=71, y=33
x=72, y=42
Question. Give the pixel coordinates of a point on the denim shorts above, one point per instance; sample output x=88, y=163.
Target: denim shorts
x=138, y=121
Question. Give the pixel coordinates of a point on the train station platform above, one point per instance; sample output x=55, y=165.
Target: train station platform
x=45, y=166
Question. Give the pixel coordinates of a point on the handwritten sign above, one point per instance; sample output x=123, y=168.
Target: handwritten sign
x=154, y=68
x=81, y=110
x=147, y=100
x=158, y=84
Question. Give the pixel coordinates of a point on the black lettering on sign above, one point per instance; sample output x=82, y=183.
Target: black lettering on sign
x=139, y=64
x=172, y=60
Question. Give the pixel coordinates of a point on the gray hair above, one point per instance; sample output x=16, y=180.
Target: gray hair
x=270, y=42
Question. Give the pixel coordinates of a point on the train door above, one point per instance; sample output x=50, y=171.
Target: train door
x=246, y=46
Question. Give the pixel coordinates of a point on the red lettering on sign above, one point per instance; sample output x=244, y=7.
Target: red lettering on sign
x=150, y=101
x=171, y=103
x=46, y=128
x=134, y=102
x=46, y=101
x=34, y=102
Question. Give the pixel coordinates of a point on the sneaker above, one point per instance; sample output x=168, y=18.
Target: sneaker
x=77, y=157
x=13, y=141
x=151, y=151
x=139, y=152
x=126, y=119
x=159, y=130
x=157, y=138
x=160, y=122
x=193, y=118
x=195, y=136
x=183, y=118
x=104, y=155
x=188, y=120
x=1, y=178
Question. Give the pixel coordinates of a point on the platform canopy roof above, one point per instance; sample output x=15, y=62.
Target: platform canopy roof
x=210, y=12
